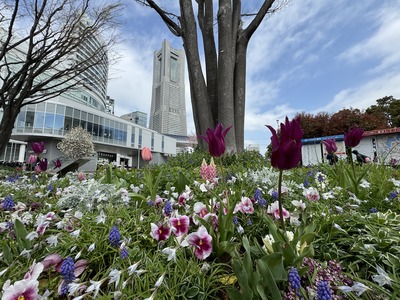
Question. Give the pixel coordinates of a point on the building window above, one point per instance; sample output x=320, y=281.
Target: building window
x=174, y=72
x=152, y=141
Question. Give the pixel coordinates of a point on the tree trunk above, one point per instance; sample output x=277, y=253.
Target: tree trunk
x=206, y=24
x=6, y=126
x=240, y=90
x=226, y=111
x=200, y=103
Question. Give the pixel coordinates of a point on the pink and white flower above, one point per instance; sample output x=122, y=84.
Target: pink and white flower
x=311, y=194
x=200, y=209
x=273, y=209
x=180, y=225
x=26, y=289
x=201, y=241
x=245, y=206
x=160, y=233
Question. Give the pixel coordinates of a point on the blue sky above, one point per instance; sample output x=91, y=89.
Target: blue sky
x=311, y=56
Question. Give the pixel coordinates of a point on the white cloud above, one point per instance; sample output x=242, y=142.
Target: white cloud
x=366, y=94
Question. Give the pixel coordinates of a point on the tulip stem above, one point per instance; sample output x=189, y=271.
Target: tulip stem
x=280, y=200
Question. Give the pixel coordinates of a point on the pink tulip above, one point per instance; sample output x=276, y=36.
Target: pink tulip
x=32, y=159
x=146, y=154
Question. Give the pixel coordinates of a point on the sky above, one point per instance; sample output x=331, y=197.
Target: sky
x=310, y=56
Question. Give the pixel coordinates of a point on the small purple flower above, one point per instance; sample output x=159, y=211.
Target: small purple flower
x=114, y=237
x=373, y=210
x=150, y=203
x=50, y=187
x=259, y=199
x=275, y=195
x=124, y=252
x=249, y=222
x=324, y=291
x=167, y=208
x=306, y=184
x=8, y=203
x=57, y=163
x=294, y=279
x=393, y=195
x=67, y=270
x=235, y=221
x=320, y=178
x=63, y=289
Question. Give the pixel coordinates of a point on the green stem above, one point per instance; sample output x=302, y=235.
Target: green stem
x=280, y=200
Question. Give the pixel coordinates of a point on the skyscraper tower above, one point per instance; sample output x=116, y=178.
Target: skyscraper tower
x=168, y=110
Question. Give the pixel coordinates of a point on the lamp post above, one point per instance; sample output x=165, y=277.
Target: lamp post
x=138, y=157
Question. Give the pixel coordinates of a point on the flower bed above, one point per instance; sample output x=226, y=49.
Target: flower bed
x=106, y=237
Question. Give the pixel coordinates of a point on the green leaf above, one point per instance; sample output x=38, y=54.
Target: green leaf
x=192, y=292
x=7, y=255
x=181, y=182
x=274, y=262
x=268, y=282
x=21, y=233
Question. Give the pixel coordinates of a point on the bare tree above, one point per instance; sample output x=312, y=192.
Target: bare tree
x=39, y=53
x=219, y=96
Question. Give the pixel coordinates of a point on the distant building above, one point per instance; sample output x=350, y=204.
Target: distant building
x=253, y=147
x=136, y=117
x=110, y=105
x=168, y=110
x=115, y=140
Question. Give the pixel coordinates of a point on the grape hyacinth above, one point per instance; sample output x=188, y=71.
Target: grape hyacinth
x=324, y=291
x=393, y=195
x=114, y=237
x=167, y=208
x=124, y=252
x=259, y=199
x=8, y=203
x=67, y=270
x=294, y=279
x=373, y=210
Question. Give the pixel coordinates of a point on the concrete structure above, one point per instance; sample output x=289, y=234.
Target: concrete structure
x=116, y=140
x=168, y=110
x=382, y=145
x=136, y=117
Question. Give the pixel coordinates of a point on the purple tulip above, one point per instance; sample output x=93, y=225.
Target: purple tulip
x=353, y=137
x=37, y=147
x=286, y=148
x=330, y=145
x=57, y=163
x=43, y=164
x=216, y=140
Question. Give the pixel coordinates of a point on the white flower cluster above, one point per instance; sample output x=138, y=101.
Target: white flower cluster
x=88, y=195
x=77, y=143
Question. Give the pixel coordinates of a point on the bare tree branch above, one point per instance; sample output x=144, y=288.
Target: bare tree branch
x=46, y=60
